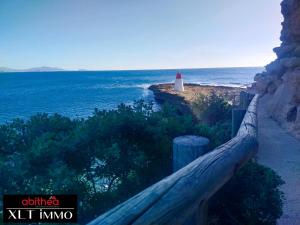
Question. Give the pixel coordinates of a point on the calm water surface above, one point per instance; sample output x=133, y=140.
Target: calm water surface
x=76, y=94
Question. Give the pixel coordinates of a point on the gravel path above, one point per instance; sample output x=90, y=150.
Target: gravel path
x=281, y=152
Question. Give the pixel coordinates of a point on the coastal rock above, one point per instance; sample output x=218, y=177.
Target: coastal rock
x=291, y=25
x=263, y=80
x=275, y=67
x=290, y=62
x=281, y=79
x=182, y=101
x=164, y=93
x=285, y=50
x=271, y=88
x=296, y=51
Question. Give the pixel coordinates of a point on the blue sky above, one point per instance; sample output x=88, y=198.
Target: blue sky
x=138, y=34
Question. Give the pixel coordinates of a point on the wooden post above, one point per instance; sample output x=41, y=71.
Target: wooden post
x=237, y=118
x=186, y=149
x=201, y=216
x=245, y=99
x=239, y=113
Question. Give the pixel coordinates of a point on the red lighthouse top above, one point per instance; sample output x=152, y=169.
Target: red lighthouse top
x=178, y=76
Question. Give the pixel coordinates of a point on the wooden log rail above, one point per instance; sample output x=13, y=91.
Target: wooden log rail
x=179, y=196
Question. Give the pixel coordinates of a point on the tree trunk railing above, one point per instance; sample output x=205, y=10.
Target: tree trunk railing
x=179, y=196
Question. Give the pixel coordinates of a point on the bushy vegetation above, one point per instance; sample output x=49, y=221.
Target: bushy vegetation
x=104, y=159
x=251, y=197
x=114, y=154
x=212, y=109
x=214, y=115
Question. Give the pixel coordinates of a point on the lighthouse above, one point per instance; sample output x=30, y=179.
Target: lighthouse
x=179, y=83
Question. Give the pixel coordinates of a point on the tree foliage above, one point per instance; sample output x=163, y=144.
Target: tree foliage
x=105, y=158
x=212, y=109
x=251, y=197
x=112, y=155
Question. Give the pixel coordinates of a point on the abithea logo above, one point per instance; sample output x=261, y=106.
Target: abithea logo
x=40, y=208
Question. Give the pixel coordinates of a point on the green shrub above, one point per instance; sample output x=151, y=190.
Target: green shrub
x=217, y=134
x=112, y=155
x=105, y=158
x=212, y=109
x=214, y=115
x=251, y=197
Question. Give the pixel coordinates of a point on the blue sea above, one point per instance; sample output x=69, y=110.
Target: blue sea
x=78, y=93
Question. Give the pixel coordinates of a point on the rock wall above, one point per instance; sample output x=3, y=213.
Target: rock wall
x=281, y=79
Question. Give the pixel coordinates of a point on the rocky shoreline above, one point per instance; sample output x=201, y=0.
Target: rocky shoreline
x=164, y=93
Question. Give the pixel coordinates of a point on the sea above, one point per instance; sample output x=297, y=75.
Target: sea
x=77, y=93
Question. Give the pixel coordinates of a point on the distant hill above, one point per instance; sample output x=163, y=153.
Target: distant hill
x=5, y=69
x=43, y=69
x=35, y=69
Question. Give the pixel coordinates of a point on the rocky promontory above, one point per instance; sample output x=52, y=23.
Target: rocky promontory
x=183, y=100
x=280, y=82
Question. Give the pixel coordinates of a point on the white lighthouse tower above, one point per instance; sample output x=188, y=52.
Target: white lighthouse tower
x=178, y=83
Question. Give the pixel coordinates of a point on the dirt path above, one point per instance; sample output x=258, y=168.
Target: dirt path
x=281, y=152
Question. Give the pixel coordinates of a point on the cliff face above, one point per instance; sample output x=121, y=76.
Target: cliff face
x=281, y=80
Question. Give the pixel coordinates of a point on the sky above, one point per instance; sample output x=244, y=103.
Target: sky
x=138, y=34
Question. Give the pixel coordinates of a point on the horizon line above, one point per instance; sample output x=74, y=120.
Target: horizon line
x=57, y=69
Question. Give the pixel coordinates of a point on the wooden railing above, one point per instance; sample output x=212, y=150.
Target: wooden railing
x=182, y=195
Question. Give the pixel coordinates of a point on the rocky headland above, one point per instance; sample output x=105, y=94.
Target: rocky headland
x=280, y=82
x=183, y=100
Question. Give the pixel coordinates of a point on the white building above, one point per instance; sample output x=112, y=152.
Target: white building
x=179, y=83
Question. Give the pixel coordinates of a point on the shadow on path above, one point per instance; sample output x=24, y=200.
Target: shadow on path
x=281, y=152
